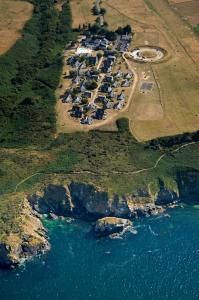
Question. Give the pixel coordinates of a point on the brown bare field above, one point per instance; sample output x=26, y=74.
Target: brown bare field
x=13, y=16
x=81, y=12
x=177, y=77
x=188, y=10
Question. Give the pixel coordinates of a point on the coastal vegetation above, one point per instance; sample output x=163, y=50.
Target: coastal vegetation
x=112, y=161
x=29, y=75
x=196, y=29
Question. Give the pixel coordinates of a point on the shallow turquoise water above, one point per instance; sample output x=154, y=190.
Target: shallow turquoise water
x=160, y=262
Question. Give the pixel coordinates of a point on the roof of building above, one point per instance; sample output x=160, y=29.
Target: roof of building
x=82, y=50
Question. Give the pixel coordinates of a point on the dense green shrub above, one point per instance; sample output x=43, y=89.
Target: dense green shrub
x=171, y=141
x=29, y=75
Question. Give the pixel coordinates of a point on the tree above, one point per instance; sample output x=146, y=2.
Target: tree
x=94, y=29
x=91, y=85
x=119, y=30
x=127, y=29
x=95, y=10
x=103, y=11
x=99, y=55
x=111, y=35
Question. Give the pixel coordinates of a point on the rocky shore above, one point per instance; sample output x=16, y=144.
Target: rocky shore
x=29, y=241
x=111, y=212
x=110, y=225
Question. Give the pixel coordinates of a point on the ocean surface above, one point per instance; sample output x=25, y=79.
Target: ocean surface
x=160, y=262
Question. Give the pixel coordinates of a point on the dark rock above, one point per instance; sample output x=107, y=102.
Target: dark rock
x=165, y=197
x=53, y=216
x=110, y=225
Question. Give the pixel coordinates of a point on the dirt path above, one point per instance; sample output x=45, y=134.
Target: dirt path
x=135, y=81
x=113, y=172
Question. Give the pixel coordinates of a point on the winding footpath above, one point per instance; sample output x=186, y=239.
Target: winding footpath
x=112, y=172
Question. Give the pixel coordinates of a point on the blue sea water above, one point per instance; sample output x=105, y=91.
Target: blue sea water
x=160, y=262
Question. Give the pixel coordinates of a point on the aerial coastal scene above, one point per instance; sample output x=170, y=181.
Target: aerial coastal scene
x=99, y=149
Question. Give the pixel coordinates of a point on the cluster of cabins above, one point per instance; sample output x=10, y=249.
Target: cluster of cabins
x=96, y=43
x=108, y=82
x=108, y=94
x=123, y=43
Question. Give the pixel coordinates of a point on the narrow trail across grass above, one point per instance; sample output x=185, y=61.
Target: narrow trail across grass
x=112, y=172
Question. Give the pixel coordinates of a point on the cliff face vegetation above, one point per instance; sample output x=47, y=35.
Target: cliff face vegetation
x=24, y=236
x=29, y=75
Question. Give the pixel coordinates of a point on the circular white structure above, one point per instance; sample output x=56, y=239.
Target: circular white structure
x=148, y=54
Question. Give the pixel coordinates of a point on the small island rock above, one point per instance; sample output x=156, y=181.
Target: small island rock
x=110, y=225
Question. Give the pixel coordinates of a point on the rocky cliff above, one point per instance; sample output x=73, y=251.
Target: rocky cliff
x=28, y=241
x=86, y=201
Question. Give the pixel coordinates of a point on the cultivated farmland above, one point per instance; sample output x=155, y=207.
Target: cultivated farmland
x=187, y=9
x=81, y=12
x=177, y=77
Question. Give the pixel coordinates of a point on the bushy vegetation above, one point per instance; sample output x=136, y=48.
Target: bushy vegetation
x=103, y=30
x=196, y=29
x=29, y=75
x=106, y=159
x=171, y=141
x=95, y=151
x=10, y=209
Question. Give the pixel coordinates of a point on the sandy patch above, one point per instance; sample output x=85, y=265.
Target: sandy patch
x=179, y=1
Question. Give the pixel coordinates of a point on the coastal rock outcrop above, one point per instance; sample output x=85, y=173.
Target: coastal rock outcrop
x=111, y=225
x=95, y=201
x=29, y=240
x=54, y=199
x=79, y=200
x=86, y=200
x=188, y=183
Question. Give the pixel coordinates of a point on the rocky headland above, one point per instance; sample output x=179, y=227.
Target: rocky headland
x=110, y=211
x=30, y=240
x=109, y=226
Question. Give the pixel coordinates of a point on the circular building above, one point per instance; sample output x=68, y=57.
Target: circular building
x=148, y=54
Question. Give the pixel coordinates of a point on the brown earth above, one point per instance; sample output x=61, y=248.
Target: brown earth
x=13, y=16
x=81, y=12
x=155, y=23
x=188, y=10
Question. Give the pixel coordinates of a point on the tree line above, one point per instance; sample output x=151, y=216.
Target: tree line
x=29, y=75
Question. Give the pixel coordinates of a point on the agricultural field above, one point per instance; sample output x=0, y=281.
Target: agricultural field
x=81, y=12
x=13, y=16
x=176, y=78
x=187, y=9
